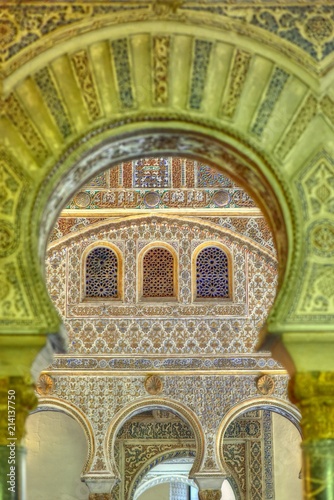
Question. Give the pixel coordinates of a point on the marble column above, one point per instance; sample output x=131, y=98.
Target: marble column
x=313, y=392
x=17, y=399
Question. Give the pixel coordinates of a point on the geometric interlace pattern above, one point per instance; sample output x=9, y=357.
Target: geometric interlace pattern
x=101, y=273
x=158, y=273
x=212, y=273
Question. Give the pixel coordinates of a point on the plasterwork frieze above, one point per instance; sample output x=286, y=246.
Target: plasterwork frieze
x=82, y=68
x=49, y=90
x=151, y=363
x=161, y=55
x=298, y=28
x=255, y=228
x=209, y=397
x=238, y=74
x=137, y=329
x=201, y=57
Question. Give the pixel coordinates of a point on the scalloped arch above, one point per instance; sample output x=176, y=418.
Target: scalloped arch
x=151, y=404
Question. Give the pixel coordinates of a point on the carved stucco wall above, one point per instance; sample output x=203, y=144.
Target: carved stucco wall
x=191, y=345
x=187, y=327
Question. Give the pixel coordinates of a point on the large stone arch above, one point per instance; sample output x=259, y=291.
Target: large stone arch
x=284, y=408
x=55, y=404
x=152, y=403
x=174, y=78
x=117, y=88
x=157, y=459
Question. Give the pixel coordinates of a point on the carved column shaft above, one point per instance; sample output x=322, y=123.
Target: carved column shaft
x=313, y=392
x=17, y=398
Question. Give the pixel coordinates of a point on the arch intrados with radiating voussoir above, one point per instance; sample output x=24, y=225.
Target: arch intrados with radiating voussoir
x=172, y=128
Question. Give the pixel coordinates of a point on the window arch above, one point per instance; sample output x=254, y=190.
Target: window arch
x=212, y=278
x=158, y=272
x=102, y=272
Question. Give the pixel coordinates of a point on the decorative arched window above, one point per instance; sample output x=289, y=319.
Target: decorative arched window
x=102, y=274
x=212, y=273
x=158, y=273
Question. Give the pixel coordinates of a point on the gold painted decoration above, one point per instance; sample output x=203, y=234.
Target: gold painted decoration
x=237, y=78
x=160, y=53
x=210, y=495
x=82, y=199
x=83, y=71
x=221, y=198
x=265, y=385
x=100, y=496
x=44, y=385
x=152, y=199
x=153, y=385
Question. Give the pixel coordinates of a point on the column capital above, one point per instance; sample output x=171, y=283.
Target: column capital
x=100, y=485
x=17, y=394
x=209, y=481
x=313, y=393
x=210, y=495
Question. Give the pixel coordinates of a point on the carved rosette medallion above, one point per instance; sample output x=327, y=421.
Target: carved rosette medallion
x=82, y=199
x=151, y=199
x=44, y=385
x=153, y=385
x=265, y=385
x=322, y=239
x=221, y=198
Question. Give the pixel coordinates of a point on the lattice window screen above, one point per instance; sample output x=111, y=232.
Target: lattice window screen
x=102, y=273
x=158, y=273
x=212, y=273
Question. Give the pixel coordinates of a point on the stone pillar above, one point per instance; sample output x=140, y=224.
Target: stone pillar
x=313, y=392
x=17, y=399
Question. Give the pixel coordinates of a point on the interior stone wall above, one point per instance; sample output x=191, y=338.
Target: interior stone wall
x=159, y=491
x=56, y=452
x=182, y=327
x=287, y=459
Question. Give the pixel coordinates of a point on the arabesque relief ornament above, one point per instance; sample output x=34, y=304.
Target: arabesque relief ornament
x=265, y=385
x=210, y=495
x=153, y=385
